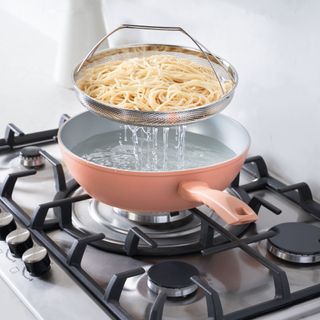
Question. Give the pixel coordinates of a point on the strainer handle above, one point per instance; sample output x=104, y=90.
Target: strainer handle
x=160, y=28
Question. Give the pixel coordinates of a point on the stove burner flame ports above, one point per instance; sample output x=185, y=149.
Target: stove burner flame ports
x=31, y=157
x=173, y=278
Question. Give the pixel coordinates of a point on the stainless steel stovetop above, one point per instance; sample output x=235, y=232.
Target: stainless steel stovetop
x=237, y=278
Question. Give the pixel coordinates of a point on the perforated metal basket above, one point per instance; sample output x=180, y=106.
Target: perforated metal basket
x=223, y=70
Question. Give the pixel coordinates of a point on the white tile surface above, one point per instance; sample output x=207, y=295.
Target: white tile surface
x=29, y=96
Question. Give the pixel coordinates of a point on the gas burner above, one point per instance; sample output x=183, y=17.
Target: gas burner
x=172, y=277
x=186, y=233
x=30, y=157
x=152, y=218
x=296, y=242
x=94, y=216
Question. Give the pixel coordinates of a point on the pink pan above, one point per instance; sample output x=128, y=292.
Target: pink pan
x=160, y=191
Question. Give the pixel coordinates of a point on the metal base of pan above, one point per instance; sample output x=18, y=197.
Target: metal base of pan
x=147, y=218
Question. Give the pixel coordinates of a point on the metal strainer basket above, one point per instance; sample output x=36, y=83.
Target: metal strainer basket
x=223, y=70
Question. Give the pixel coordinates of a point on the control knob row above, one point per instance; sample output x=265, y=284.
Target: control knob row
x=35, y=258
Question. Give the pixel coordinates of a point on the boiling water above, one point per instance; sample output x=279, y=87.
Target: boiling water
x=153, y=149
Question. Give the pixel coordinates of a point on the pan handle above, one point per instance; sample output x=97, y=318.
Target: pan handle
x=205, y=52
x=231, y=209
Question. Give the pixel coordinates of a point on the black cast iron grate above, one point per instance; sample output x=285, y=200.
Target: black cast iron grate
x=109, y=297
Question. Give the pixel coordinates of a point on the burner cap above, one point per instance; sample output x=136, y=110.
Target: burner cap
x=296, y=242
x=173, y=277
x=31, y=151
x=30, y=157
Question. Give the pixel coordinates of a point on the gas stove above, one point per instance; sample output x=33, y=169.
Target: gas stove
x=68, y=256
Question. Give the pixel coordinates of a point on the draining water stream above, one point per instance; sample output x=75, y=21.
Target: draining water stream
x=153, y=149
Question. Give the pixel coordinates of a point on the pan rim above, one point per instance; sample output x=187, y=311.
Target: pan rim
x=156, y=173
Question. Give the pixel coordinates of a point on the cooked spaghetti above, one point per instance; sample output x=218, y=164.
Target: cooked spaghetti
x=154, y=83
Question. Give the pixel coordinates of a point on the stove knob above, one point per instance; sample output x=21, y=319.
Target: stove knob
x=30, y=157
x=7, y=224
x=36, y=260
x=19, y=241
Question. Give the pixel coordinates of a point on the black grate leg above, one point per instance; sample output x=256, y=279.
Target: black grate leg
x=261, y=166
x=12, y=131
x=64, y=118
x=256, y=202
x=78, y=248
x=157, y=307
x=64, y=214
x=206, y=235
x=133, y=238
x=9, y=183
x=113, y=291
x=305, y=198
x=214, y=307
x=59, y=177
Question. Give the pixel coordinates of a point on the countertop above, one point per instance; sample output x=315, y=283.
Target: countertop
x=11, y=306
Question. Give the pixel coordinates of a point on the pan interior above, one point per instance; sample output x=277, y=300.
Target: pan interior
x=113, y=145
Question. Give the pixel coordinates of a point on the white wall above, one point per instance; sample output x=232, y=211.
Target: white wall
x=274, y=45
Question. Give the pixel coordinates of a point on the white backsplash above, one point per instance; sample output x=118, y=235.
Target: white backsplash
x=274, y=45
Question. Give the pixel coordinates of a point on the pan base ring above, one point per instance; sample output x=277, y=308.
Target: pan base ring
x=152, y=218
